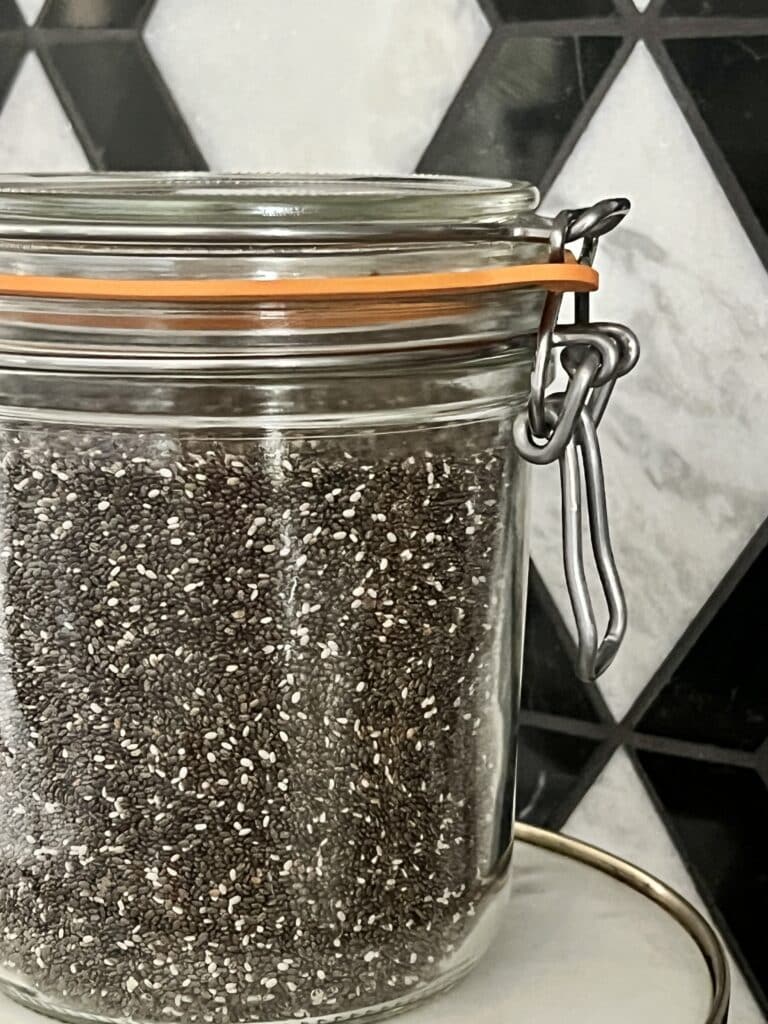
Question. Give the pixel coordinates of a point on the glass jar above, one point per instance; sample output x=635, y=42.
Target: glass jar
x=262, y=575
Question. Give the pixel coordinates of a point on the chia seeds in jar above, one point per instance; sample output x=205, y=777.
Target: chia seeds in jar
x=262, y=565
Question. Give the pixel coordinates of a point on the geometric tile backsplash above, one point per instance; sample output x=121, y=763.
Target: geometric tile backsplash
x=665, y=761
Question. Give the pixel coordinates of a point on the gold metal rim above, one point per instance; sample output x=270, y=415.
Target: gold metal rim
x=675, y=905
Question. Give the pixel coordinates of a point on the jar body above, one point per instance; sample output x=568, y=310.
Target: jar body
x=260, y=651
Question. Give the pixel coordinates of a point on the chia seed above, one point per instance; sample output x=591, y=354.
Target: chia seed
x=252, y=756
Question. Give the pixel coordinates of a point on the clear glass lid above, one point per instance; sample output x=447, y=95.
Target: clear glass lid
x=252, y=226
x=232, y=207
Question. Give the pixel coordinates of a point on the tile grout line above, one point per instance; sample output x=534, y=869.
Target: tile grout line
x=619, y=735
x=77, y=36
x=707, y=28
x=692, y=750
x=552, y=722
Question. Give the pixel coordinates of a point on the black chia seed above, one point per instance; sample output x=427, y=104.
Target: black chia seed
x=251, y=748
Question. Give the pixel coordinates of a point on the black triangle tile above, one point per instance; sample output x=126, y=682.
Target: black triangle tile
x=118, y=102
x=105, y=14
x=10, y=18
x=717, y=815
x=12, y=49
x=718, y=693
x=549, y=682
x=728, y=81
x=550, y=767
x=518, y=106
x=545, y=10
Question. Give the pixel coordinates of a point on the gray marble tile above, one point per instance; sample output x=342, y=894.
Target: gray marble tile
x=684, y=436
x=617, y=815
x=306, y=86
x=35, y=133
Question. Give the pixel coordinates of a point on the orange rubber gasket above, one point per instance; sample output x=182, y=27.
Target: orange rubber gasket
x=557, y=277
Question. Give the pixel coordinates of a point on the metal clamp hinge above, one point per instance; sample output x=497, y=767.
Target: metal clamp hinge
x=563, y=426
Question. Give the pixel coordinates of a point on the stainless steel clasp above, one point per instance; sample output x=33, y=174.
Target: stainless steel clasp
x=563, y=426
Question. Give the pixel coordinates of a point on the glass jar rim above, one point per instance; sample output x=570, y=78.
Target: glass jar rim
x=190, y=206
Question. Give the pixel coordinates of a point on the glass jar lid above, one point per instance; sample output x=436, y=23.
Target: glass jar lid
x=244, y=207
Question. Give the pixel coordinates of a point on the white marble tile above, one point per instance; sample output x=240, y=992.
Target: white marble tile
x=308, y=86
x=684, y=437
x=30, y=9
x=35, y=133
x=617, y=814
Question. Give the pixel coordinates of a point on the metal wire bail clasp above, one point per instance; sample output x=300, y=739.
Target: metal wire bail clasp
x=564, y=425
